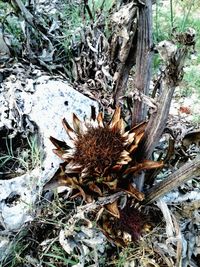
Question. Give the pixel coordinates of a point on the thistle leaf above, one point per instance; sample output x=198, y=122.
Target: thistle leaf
x=69, y=130
x=112, y=208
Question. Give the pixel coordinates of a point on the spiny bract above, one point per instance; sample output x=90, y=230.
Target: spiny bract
x=99, y=158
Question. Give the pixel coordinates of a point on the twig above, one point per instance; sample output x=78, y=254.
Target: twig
x=100, y=202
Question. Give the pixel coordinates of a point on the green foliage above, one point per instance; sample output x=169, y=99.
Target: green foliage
x=123, y=257
x=161, y=22
x=174, y=14
x=4, y=8
x=196, y=120
x=16, y=248
x=179, y=15
x=11, y=25
x=97, y=6
x=186, y=91
x=191, y=81
x=56, y=255
x=75, y=18
x=22, y=158
x=192, y=77
x=36, y=153
x=156, y=63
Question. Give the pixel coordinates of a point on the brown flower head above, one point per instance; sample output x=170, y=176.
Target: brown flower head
x=126, y=229
x=135, y=221
x=99, y=157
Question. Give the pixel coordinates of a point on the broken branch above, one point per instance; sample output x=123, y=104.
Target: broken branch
x=185, y=173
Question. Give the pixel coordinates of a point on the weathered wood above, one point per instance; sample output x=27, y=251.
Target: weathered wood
x=143, y=60
x=172, y=75
x=157, y=122
x=185, y=173
x=124, y=48
x=138, y=51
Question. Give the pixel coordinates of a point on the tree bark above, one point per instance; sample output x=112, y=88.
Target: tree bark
x=172, y=75
x=143, y=60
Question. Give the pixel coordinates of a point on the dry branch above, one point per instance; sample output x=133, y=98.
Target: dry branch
x=171, y=77
x=185, y=173
x=143, y=60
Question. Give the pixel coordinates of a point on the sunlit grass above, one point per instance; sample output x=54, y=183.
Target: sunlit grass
x=25, y=159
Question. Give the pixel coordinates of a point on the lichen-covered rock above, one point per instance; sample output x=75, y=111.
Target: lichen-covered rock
x=29, y=106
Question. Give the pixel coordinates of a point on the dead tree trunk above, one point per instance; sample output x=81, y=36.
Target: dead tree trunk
x=143, y=60
x=171, y=77
x=138, y=52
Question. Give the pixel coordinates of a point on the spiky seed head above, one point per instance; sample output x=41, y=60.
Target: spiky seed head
x=98, y=157
x=98, y=149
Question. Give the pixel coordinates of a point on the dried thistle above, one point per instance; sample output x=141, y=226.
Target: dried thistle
x=126, y=229
x=99, y=159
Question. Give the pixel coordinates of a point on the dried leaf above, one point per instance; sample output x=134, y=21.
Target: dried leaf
x=112, y=208
x=145, y=165
x=133, y=191
x=116, y=117
x=69, y=130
